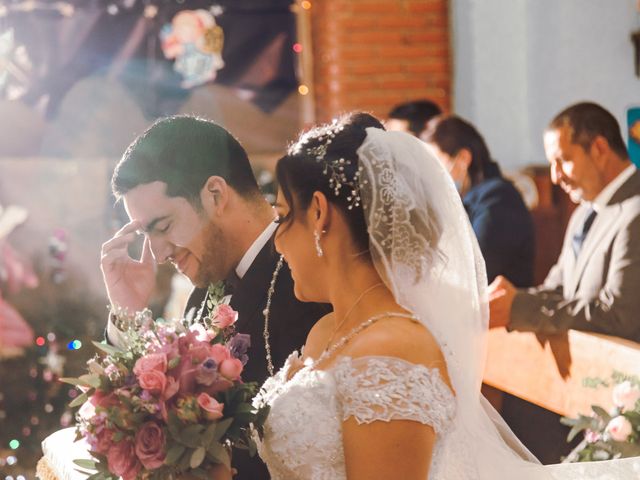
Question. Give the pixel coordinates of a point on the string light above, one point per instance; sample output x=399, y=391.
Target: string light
x=306, y=4
x=74, y=345
x=14, y=444
x=303, y=90
x=297, y=47
x=40, y=341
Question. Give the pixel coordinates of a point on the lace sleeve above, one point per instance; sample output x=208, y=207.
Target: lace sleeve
x=388, y=388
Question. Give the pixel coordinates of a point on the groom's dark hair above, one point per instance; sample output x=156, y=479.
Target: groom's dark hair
x=183, y=152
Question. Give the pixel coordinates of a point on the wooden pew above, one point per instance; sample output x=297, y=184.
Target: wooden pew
x=549, y=371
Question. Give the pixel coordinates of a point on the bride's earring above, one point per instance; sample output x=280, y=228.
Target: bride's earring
x=316, y=236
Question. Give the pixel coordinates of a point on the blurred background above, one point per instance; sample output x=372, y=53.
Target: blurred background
x=79, y=79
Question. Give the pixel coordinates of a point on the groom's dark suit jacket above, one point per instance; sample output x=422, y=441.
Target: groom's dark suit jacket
x=289, y=323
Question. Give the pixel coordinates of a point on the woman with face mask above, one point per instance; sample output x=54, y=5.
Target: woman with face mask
x=498, y=215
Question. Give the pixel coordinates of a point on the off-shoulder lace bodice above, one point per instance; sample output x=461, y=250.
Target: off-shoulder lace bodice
x=303, y=433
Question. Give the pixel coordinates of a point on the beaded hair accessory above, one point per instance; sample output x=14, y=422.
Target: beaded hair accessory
x=333, y=169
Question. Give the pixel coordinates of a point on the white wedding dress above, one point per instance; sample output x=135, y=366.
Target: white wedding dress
x=425, y=251
x=303, y=432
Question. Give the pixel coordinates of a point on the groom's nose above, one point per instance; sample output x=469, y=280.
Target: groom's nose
x=161, y=249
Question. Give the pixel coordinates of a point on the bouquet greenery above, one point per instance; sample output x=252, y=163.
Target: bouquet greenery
x=172, y=403
x=609, y=434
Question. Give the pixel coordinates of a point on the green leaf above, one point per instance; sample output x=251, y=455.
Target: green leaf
x=192, y=436
x=219, y=454
x=174, y=425
x=221, y=428
x=80, y=399
x=209, y=434
x=601, y=412
x=78, y=382
x=197, y=457
x=91, y=379
x=108, y=349
x=86, y=463
x=174, y=454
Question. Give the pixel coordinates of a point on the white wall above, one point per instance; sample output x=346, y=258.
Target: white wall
x=519, y=62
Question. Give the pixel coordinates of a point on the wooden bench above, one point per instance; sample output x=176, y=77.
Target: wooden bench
x=549, y=371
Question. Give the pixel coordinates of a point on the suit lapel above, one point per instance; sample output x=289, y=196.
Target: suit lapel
x=600, y=228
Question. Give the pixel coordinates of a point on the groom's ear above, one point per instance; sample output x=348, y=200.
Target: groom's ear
x=215, y=195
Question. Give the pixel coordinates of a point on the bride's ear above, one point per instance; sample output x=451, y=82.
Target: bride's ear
x=319, y=212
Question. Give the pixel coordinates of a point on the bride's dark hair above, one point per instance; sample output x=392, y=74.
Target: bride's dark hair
x=300, y=173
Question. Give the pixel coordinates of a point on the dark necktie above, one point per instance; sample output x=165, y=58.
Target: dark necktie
x=231, y=282
x=580, y=236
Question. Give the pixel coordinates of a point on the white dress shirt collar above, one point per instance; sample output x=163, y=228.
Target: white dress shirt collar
x=253, y=251
x=614, y=185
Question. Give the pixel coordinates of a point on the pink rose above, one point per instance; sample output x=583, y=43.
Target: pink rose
x=154, y=381
x=150, y=445
x=185, y=341
x=171, y=388
x=199, y=352
x=122, y=460
x=100, y=400
x=625, y=395
x=152, y=361
x=219, y=353
x=591, y=437
x=202, y=334
x=186, y=373
x=619, y=428
x=224, y=316
x=231, y=368
x=212, y=409
x=102, y=441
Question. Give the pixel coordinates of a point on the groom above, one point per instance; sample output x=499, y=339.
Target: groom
x=187, y=184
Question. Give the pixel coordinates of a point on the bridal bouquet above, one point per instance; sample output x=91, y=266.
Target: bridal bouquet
x=609, y=434
x=173, y=402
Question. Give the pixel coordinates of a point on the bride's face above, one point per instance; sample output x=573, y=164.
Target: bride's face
x=295, y=240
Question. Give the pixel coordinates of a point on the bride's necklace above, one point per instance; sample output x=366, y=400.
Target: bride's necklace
x=349, y=312
x=344, y=340
x=266, y=311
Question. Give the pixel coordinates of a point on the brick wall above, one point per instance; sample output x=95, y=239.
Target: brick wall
x=372, y=54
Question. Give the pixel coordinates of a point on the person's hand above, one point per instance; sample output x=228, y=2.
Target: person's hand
x=129, y=282
x=501, y=294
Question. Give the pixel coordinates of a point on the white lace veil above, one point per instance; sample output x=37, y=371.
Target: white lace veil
x=424, y=248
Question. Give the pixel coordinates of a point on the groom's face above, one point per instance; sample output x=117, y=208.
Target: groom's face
x=178, y=232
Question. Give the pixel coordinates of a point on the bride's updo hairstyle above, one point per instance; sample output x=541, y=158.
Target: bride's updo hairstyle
x=325, y=159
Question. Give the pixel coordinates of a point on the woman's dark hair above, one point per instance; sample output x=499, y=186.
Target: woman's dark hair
x=451, y=134
x=300, y=173
x=183, y=152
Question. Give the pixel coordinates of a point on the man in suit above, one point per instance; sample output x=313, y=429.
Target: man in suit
x=594, y=284
x=187, y=184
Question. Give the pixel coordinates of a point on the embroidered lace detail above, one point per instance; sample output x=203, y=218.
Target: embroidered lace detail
x=303, y=433
x=385, y=388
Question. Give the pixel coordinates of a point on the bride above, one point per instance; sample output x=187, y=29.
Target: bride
x=388, y=385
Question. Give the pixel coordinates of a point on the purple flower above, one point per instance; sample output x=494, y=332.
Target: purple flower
x=207, y=372
x=238, y=346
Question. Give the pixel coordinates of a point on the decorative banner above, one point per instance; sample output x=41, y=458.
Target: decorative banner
x=195, y=42
x=159, y=49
